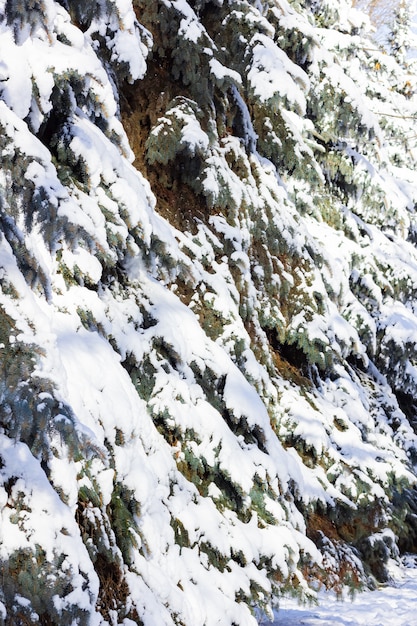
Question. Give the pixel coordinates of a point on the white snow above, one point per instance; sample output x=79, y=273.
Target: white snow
x=272, y=73
x=199, y=318
x=393, y=605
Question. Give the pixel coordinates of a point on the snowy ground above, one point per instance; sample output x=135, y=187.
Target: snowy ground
x=394, y=605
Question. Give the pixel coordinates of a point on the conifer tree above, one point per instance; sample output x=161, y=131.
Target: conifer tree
x=207, y=308
x=400, y=35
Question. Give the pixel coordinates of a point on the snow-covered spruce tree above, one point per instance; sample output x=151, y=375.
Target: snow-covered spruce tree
x=207, y=308
x=402, y=41
x=308, y=113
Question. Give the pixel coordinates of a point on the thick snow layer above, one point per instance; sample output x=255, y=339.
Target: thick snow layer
x=273, y=74
x=181, y=404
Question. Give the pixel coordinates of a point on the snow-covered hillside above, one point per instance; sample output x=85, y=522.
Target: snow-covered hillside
x=208, y=319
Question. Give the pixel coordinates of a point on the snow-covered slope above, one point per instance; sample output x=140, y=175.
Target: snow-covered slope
x=394, y=603
x=208, y=321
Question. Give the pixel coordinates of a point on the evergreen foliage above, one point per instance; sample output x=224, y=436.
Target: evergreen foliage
x=207, y=308
x=25, y=18
x=400, y=35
